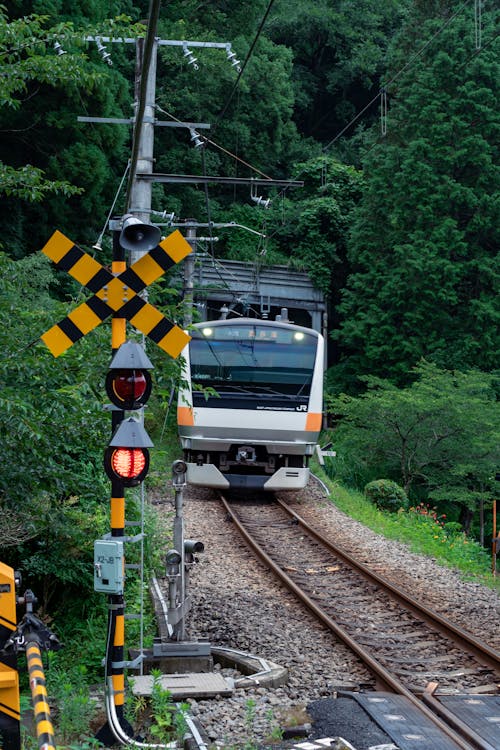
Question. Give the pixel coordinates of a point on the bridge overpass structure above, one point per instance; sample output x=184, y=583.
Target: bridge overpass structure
x=228, y=288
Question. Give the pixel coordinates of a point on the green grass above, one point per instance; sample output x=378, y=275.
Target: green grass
x=167, y=449
x=420, y=529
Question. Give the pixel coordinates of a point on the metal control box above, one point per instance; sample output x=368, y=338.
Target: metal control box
x=108, y=566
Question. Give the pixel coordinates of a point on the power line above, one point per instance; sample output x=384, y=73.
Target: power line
x=391, y=80
x=478, y=50
x=395, y=77
x=99, y=239
x=217, y=145
x=207, y=202
x=247, y=58
x=428, y=42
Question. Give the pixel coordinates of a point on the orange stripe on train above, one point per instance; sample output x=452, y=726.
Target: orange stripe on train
x=185, y=416
x=313, y=422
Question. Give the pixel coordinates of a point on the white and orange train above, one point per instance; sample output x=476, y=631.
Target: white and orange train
x=250, y=406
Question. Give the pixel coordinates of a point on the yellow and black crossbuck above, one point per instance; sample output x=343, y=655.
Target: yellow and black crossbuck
x=116, y=294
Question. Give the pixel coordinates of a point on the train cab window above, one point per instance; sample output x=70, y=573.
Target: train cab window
x=253, y=356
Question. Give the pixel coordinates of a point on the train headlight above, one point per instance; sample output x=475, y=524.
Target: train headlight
x=207, y=331
x=298, y=336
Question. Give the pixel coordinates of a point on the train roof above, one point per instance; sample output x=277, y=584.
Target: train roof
x=255, y=321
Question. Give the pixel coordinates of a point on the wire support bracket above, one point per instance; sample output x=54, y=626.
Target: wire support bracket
x=210, y=179
x=128, y=664
x=136, y=538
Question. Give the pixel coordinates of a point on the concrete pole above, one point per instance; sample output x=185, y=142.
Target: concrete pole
x=189, y=274
x=140, y=194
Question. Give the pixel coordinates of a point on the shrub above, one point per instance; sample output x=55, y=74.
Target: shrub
x=386, y=495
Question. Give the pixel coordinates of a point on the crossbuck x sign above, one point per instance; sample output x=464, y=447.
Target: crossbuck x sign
x=116, y=294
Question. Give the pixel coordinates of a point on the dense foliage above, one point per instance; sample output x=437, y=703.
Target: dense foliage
x=386, y=495
x=439, y=437
x=52, y=489
x=423, y=255
x=55, y=171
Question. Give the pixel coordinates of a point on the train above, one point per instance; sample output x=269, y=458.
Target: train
x=250, y=403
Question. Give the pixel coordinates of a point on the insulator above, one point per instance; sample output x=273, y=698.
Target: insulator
x=192, y=60
x=106, y=56
x=231, y=56
x=195, y=138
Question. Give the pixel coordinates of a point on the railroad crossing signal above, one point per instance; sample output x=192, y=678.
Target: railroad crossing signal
x=116, y=294
x=128, y=385
x=128, y=382
x=127, y=457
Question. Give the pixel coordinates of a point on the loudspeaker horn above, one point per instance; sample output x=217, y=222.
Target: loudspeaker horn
x=136, y=235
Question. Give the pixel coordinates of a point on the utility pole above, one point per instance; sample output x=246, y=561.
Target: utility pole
x=140, y=193
x=189, y=273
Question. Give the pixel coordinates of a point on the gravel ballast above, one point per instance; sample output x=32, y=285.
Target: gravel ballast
x=236, y=603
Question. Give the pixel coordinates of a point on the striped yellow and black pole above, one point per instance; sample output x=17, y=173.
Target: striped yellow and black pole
x=44, y=729
x=115, y=656
x=10, y=717
x=115, y=648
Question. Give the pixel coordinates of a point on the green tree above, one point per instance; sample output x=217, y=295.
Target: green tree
x=423, y=253
x=53, y=492
x=305, y=228
x=23, y=60
x=54, y=171
x=315, y=223
x=250, y=130
x=439, y=436
x=339, y=51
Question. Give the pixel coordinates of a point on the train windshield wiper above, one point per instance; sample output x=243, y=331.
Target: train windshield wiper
x=273, y=391
x=258, y=389
x=252, y=389
x=224, y=387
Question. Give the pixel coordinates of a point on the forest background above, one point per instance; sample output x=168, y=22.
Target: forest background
x=386, y=110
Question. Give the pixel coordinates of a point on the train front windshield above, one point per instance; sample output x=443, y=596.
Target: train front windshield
x=254, y=358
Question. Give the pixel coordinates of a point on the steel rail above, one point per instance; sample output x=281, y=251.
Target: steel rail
x=478, y=648
x=452, y=719
x=384, y=677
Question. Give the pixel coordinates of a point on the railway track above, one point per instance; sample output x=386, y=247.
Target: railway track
x=411, y=650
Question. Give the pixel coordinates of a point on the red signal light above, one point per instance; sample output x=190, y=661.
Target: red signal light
x=128, y=462
x=128, y=465
x=128, y=388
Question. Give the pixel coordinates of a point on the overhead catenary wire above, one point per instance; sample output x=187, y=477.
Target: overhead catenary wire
x=207, y=202
x=394, y=77
x=222, y=114
x=381, y=94
x=207, y=197
x=477, y=52
x=245, y=62
x=216, y=145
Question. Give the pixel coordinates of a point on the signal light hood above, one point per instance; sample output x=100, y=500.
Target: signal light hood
x=130, y=434
x=131, y=356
